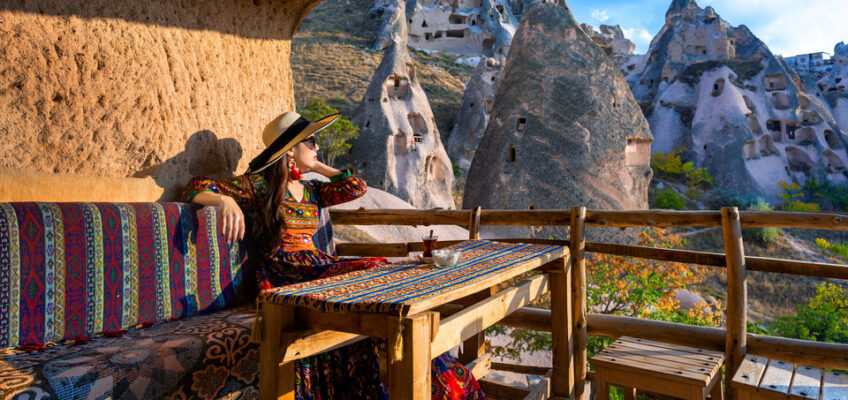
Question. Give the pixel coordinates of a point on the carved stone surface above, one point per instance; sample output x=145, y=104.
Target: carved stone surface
x=565, y=129
x=399, y=149
x=474, y=112
x=718, y=92
x=166, y=89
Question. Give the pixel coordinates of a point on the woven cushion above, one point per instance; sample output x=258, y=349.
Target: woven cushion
x=79, y=269
x=205, y=356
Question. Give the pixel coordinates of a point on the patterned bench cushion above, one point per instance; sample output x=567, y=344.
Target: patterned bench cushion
x=78, y=269
x=201, y=357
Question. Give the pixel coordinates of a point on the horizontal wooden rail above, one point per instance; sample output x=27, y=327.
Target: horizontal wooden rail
x=404, y=248
x=762, y=264
x=615, y=219
x=309, y=343
x=683, y=256
x=660, y=218
x=400, y=217
x=826, y=355
x=473, y=319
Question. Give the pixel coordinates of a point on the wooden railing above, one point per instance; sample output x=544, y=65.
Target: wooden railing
x=735, y=341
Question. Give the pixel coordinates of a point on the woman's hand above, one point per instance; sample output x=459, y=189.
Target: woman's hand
x=232, y=219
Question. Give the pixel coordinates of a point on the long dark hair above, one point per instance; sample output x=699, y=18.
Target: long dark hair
x=273, y=222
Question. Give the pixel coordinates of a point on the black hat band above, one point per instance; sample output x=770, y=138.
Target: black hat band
x=259, y=161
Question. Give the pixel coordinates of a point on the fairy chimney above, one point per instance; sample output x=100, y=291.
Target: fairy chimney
x=399, y=149
x=474, y=112
x=565, y=129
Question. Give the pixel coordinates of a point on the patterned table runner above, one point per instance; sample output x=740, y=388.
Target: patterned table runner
x=396, y=287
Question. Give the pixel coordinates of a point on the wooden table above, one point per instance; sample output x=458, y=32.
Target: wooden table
x=399, y=303
x=661, y=368
x=761, y=378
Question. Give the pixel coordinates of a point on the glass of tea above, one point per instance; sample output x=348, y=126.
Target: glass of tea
x=429, y=245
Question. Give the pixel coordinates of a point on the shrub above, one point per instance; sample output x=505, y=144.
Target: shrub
x=839, y=249
x=793, y=198
x=337, y=138
x=764, y=235
x=671, y=166
x=824, y=318
x=668, y=198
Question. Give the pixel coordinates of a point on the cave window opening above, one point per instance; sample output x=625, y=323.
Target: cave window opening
x=533, y=206
x=511, y=154
x=519, y=126
x=456, y=34
x=424, y=24
x=489, y=104
x=417, y=138
x=439, y=35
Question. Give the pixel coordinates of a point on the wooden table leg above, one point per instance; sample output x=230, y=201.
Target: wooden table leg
x=562, y=379
x=601, y=387
x=717, y=392
x=409, y=378
x=475, y=346
x=276, y=381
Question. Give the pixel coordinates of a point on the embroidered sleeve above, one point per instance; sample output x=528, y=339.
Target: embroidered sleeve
x=245, y=189
x=341, y=188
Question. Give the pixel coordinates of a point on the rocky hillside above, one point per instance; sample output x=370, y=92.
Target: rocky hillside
x=331, y=59
x=717, y=91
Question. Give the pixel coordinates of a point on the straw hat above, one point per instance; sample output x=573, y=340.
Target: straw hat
x=283, y=133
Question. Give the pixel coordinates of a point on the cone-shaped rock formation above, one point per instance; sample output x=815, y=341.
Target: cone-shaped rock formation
x=565, y=129
x=399, y=149
x=473, y=116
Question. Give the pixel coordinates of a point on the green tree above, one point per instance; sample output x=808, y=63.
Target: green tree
x=337, y=138
x=763, y=235
x=793, y=197
x=669, y=198
x=824, y=318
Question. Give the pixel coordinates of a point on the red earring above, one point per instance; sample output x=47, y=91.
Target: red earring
x=294, y=173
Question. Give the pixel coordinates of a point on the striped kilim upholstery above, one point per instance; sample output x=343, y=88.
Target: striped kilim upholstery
x=78, y=269
x=392, y=288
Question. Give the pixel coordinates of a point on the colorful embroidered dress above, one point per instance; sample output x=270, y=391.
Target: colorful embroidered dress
x=352, y=372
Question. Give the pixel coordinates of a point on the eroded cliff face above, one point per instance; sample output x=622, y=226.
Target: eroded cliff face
x=167, y=89
x=718, y=92
x=399, y=148
x=564, y=128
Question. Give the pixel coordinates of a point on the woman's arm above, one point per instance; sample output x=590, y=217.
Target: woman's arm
x=229, y=195
x=343, y=186
x=232, y=217
x=325, y=170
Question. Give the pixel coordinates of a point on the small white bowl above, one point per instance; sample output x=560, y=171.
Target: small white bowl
x=446, y=258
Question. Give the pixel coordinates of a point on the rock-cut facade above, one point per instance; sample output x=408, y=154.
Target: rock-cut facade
x=399, y=149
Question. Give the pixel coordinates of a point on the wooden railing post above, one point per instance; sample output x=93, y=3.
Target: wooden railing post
x=475, y=346
x=562, y=332
x=578, y=270
x=737, y=294
x=474, y=225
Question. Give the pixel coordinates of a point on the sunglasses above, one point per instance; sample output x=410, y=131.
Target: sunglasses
x=310, y=143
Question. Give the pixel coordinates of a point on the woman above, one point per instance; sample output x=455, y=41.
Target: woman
x=282, y=212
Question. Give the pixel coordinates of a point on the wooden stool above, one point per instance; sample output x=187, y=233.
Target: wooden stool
x=638, y=364
x=761, y=378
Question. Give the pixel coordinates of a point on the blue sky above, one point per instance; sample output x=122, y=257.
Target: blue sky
x=788, y=27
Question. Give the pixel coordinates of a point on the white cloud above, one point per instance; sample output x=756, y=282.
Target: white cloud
x=600, y=15
x=789, y=27
x=640, y=37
